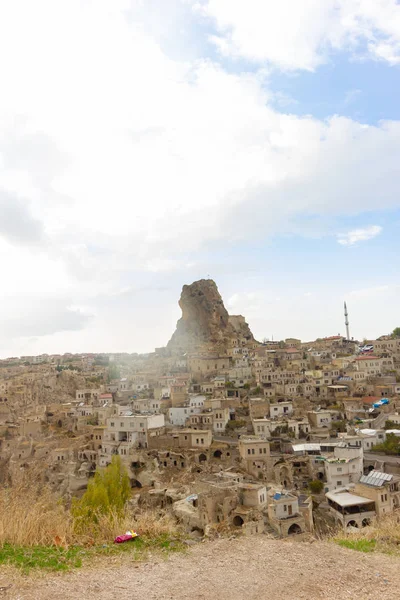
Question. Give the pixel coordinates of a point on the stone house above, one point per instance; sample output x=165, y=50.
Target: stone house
x=382, y=488
x=255, y=455
x=280, y=409
x=221, y=418
x=202, y=420
x=61, y=455
x=198, y=439
x=179, y=394
x=208, y=364
x=284, y=513
x=87, y=395
x=320, y=418
x=371, y=365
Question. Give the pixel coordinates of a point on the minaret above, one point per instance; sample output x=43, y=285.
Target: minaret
x=346, y=321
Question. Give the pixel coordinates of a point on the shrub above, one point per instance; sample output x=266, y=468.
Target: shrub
x=390, y=446
x=339, y=426
x=391, y=425
x=256, y=392
x=106, y=495
x=316, y=486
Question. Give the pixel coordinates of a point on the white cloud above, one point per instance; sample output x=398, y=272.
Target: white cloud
x=127, y=165
x=359, y=235
x=300, y=35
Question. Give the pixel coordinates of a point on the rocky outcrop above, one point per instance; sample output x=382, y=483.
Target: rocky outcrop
x=205, y=322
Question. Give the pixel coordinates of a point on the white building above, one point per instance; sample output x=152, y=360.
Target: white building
x=281, y=409
x=344, y=468
x=125, y=432
x=178, y=415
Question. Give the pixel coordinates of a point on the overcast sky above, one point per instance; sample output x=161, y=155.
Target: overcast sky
x=145, y=144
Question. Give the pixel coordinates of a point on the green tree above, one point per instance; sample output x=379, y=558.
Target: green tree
x=396, y=332
x=390, y=446
x=316, y=486
x=339, y=426
x=256, y=392
x=391, y=425
x=113, y=372
x=107, y=493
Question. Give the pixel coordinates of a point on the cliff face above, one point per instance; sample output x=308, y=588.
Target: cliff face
x=205, y=321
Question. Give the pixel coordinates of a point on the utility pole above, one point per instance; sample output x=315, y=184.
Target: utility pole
x=346, y=321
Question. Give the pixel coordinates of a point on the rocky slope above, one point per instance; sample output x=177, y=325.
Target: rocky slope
x=205, y=322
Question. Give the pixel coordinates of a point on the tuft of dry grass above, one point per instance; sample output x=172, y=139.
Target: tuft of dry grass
x=151, y=524
x=382, y=535
x=30, y=514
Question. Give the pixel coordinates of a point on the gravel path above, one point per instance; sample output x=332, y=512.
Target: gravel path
x=250, y=568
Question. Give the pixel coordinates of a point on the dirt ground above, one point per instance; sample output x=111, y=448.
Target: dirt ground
x=247, y=568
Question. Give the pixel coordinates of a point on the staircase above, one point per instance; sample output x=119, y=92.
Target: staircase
x=271, y=532
x=380, y=421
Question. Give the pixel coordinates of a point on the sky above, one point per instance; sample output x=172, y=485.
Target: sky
x=145, y=144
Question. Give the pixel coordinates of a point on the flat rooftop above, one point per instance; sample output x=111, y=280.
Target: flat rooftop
x=346, y=499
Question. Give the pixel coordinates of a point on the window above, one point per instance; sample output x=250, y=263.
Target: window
x=285, y=508
x=121, y=424
x=339, y=469
x=339, y=483
x=264, y=450
x=260, y=450
x=202, y=440
x=197, y=440
x=248, y=451
x=141, y=424
x=112, y=424
x=252, y=451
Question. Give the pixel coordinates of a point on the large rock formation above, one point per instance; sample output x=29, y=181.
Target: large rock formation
x=205, y=322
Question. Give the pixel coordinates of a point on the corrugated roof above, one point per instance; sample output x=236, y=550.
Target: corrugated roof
x=376, y=478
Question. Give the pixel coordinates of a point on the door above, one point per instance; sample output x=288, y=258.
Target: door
x=290, y=511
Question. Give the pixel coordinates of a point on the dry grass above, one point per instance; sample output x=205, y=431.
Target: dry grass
x=382, y=535
x=151, y=524
x=31, y=514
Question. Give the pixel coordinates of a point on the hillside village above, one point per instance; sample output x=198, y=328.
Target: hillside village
x=217, y=428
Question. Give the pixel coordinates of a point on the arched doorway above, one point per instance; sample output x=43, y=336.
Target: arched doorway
x=352, y=524
x=294, y=529
x=320, y=476
x=217, y=454
x=135, y=483
x=366, y=522
x=238, y=521
x=284, y=476
x=202, y=458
